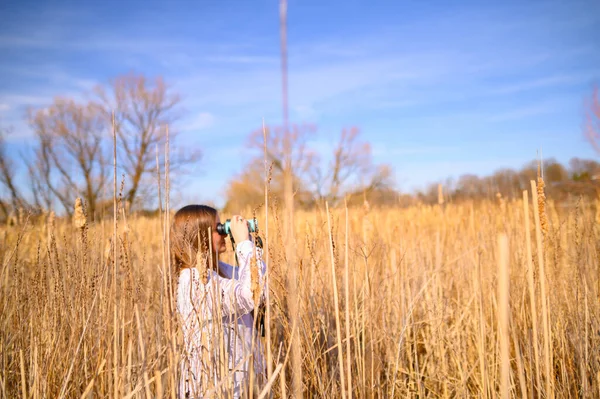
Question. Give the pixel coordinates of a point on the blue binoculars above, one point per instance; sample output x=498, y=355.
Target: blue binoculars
x=225, y=228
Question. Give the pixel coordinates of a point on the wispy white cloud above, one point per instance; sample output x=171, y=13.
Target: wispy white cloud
x=545, y=82
x=201, y=121
x=304, y=112
x=542, y=108
x=243, y=59
x=413, y=149
x=396, y=104
x=13, y=101
x=14, y=108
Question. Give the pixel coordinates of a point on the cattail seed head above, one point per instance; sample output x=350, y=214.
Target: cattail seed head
x=542, y=206
x=21, y=216
x=254, y=283
x=79, y=219
x=366, y=206
x=51, y=220
x=108, y=248
x=202, y=267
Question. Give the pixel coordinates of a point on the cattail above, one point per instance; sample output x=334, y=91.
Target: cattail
x=501, y=216
x=542, y=204
x=108, y=248
x=502, y=201
x=79, y=219
x=270, y=175
x=50, y=222
x=254, y=283
x=366, y=206
x=554, y=219
x=12, y=219
x=202, y=267
x=21, y=216
x=440, y=195
x=504, y=313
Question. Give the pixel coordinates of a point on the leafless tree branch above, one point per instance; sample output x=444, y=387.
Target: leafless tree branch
x=69, y=159
x=143, y=108
x=7, y=177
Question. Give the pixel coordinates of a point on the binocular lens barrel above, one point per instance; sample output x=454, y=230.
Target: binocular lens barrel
x=224, y=228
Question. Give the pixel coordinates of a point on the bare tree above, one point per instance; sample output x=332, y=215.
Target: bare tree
x=302, y=157
x=38, y=168
x=528, y=172
x=380, y=178
x=245, y=189
x=506, y=182
x=583, y=169
x=592, y=128
x=351, y=158
x=143, y=109
x=7, y=177
x=69, y=159
x=349, y=168
x=554, y=171
x=470, y=186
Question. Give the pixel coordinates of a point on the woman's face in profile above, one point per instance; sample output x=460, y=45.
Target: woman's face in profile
x=219, y=243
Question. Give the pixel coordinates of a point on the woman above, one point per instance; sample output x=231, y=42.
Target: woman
x=216, y=302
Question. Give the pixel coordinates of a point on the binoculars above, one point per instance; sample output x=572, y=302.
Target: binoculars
x=224, y=228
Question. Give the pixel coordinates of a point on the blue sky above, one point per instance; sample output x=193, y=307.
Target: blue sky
x=438, y=90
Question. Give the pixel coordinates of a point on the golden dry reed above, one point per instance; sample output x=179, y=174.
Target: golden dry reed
x=417, y=302
x=79, y=219
x=542, y=204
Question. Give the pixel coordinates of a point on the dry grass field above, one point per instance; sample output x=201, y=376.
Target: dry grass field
x=474, y=300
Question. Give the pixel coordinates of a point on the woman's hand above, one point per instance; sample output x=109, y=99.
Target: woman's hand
x=239, y=229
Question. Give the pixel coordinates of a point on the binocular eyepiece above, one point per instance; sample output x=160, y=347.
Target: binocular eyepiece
x=224, y=228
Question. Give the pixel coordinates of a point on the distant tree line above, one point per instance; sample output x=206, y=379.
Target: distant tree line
x=581, y=177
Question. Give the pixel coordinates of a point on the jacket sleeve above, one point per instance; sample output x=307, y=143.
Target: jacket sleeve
x=237, y=294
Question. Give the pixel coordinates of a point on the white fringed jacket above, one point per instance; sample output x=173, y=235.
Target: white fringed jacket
x=207, y=343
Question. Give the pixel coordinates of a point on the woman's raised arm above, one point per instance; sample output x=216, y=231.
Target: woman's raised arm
x=238, y=297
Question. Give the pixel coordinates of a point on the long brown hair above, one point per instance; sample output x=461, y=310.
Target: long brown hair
x=190, y=234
